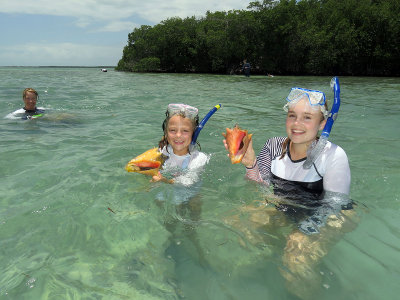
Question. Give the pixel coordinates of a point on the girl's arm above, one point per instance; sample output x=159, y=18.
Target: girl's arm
x=253, y=173
x=258, y=168
x=190, y=176
x=337, y=176
x=337, y=181
x=160, y=177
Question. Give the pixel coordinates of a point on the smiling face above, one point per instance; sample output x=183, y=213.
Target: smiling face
x=30, y=100
x=179, y=134
x=303, y=123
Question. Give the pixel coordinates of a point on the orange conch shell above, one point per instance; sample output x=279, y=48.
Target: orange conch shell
x=147, y=163
x=238, y=141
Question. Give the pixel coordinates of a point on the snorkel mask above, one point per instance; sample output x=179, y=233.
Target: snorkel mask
x=188, y=111
x=191, y=113
x=316, y=99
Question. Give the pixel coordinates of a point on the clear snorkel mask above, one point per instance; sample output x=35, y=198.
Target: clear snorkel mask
x=316, y=99
x=179, y=108
x=188, y=111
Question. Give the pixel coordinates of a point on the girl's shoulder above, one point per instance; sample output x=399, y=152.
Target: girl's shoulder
x=198, y=159
x=333, y=151
x=333, y=148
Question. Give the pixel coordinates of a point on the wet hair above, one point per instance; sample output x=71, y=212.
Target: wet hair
x=30, y=90
x=164, y=140
x=327, y=109
x=284, y=147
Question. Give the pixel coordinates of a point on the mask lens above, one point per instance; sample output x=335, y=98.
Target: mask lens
x=314, y=97
x=189, y=111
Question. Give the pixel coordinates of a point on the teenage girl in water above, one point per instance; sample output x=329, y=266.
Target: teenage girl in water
x=315, y=199
x=322, y=188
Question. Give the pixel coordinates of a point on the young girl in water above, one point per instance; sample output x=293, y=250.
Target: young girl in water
x=182, y=169
x=183, y=161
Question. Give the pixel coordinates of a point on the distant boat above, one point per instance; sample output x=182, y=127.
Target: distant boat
x=104, y=70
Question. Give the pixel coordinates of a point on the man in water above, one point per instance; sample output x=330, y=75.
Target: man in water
x=246, y=68
x=30, y=111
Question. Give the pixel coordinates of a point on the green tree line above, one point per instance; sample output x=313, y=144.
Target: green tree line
x=306, y=37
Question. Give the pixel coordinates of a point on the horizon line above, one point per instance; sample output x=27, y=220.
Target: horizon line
x=60, y=66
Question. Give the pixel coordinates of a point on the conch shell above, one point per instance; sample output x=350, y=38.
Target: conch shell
x=147, y=163
x=238, y=141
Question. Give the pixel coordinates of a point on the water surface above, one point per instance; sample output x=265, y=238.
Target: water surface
x=75, y=225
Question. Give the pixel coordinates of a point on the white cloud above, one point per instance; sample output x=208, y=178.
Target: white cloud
x=92, y=16
x=117, y=26
x=91, y=11
x=60, y=54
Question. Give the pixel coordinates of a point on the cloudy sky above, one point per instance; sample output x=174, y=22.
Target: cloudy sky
x=85, y=32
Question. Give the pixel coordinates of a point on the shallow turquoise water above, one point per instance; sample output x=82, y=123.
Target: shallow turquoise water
x=59, y=177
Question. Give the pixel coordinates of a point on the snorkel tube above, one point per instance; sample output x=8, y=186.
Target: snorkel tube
x=314, y=152
x=203, y=122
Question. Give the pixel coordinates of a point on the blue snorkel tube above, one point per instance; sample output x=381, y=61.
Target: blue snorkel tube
x=335, y=108
x=203, y=122
x=314, y=152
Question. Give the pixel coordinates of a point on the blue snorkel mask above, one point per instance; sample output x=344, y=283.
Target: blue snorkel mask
x=316, y=148
x=316, y=99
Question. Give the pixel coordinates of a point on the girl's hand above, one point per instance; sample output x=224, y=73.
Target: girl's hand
x=226, y=145
x=249, y=157
x=159, y=177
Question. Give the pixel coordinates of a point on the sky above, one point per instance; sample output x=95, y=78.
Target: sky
x=85, y=32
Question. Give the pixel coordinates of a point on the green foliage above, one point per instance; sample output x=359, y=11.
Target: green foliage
x=316, y=37
x=148, y=64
